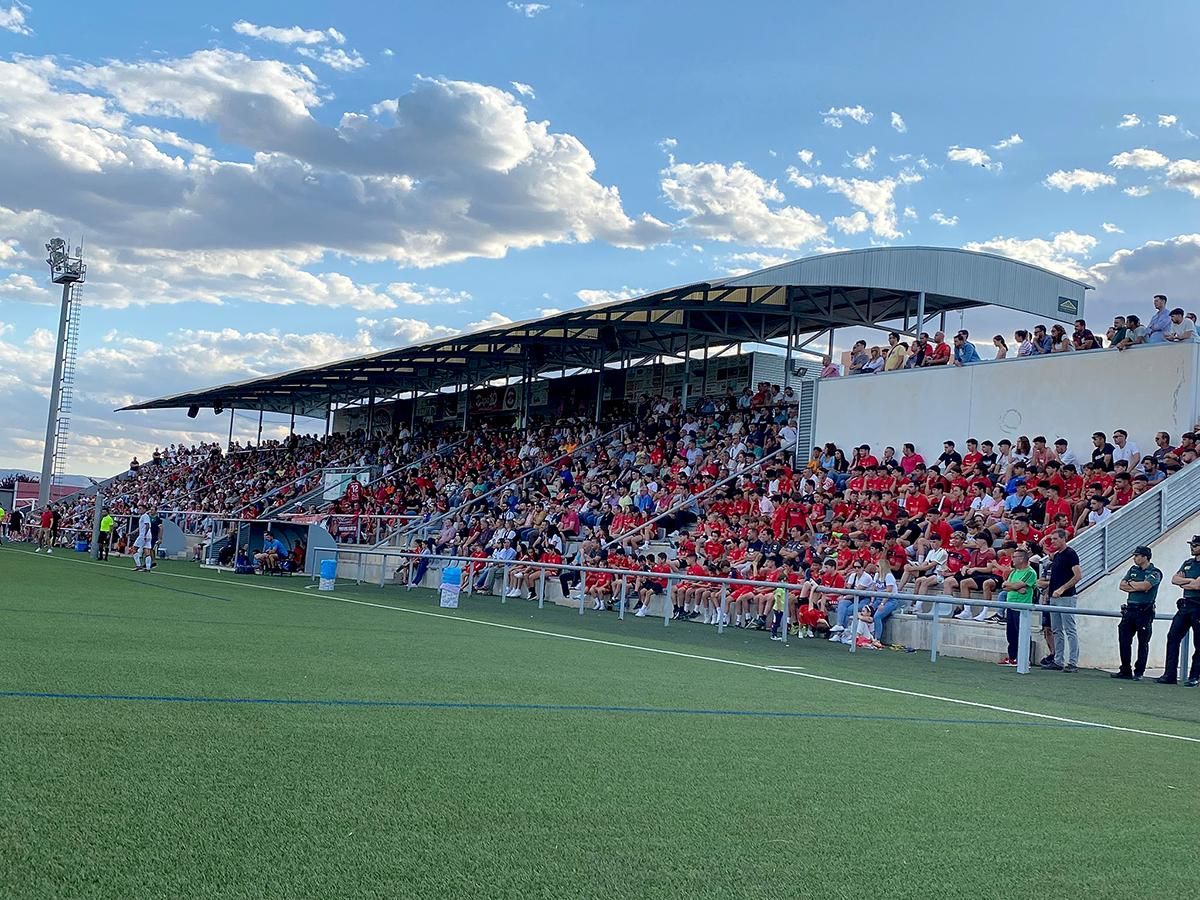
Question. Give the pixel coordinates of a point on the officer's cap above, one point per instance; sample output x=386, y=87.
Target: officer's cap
x=1142, y=551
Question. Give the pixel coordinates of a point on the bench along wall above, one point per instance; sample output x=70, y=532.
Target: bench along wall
x=1069, y=395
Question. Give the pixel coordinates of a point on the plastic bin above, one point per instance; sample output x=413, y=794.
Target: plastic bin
x=328, y=575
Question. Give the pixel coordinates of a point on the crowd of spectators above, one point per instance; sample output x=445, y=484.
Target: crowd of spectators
x=1164, y=326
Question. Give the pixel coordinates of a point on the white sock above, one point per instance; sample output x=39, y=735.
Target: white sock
x=137, y=559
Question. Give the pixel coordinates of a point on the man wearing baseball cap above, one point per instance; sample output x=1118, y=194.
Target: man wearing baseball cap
x=1137, y=613
x=1188, y=616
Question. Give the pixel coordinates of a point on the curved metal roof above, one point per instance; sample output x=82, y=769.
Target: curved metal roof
x=804, y=297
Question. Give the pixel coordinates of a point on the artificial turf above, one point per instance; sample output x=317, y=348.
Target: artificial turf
x=438, y=755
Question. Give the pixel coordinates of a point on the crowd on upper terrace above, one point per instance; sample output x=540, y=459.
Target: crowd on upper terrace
x=1164, y=326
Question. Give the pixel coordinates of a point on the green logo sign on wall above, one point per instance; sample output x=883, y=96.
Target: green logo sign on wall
x=1068, y=307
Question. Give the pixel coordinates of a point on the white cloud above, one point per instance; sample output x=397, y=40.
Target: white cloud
x=1141, y=158
x=1136, y=191
x=972, y=156
x=1011, y=141
x=523, y=89
x=752, y=261
x=856, y=223
x=529, y=10
x=448, y=171
x=1167, y=121
x=18, y=285
x=593, y=296
x=424, y=295
x=805, y=156
x=864, y=161
x=293, y=34
x=1184, y=175
x=875, y=199
x=1110, y=228
x=798, y=178
x=909, y=213
x=334, y=57
x=388, y=51
x=734, y=203
x=1129, y=120
x=12, y=18
x=834, y=115
x=940, y=218
x=491, y=320
x=1083, y=179
x=1064, y=252
x=898, y=123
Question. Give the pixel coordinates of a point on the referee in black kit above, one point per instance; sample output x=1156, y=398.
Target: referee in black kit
x=1188, y=616
x=1137, y=613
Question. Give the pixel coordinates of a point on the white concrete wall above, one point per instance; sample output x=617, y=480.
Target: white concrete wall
x=1098, y=636
x=1069, y=395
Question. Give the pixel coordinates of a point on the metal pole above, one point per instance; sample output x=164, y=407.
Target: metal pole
x=599, y=386
x=412, y=418
x=371, y=413
x=582, y=591
x=1023, y=635
x=787, y=359
x=292, y=424
x=504, y=583
x=466, y=404
x=687, y=369
x=724, y=607
x=260, y=415
x=854, y=626
x=96, y=526
x=410, y=574
x=542, y=590
x=704, y=374
x=669, y=601
x=50, y=447
x=621, y=603
x=934, y=633
x=1184, y=656
x=229, y=446
x=920, y=313
x=787, y=613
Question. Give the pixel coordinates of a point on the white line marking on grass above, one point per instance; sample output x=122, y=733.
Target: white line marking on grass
x=778, y=670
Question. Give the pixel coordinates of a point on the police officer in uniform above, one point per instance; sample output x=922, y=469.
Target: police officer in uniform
x=1137, y=614
x=1188, y=616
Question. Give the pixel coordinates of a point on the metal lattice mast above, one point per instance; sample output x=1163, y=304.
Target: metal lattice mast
x=70, y=272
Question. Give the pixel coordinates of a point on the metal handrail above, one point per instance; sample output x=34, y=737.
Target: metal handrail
x=1025, y=610
x=409, y=530
x=1143, y=520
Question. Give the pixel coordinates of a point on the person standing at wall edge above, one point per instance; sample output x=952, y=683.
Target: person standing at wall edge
x=1137, y=614
x=1188, y=616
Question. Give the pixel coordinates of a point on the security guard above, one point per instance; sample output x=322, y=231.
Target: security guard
x=106, y=527
x=1137, y=614
x=1188, y=578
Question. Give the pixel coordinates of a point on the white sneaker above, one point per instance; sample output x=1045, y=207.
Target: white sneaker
x=833, y=637
x=38, y=550
x=836, y=629
x=776, y=637
x=641, y=613
x=965, y=614
x=982, y=617
x=48, y=550
x=808, y=632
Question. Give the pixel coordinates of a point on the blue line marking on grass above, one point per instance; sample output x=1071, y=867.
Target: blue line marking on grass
x=527, y=707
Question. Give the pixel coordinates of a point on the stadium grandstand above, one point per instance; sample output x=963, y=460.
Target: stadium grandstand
x=710, y=431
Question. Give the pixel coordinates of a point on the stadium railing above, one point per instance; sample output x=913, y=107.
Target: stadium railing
x=1025, y=610
x=1103, y=548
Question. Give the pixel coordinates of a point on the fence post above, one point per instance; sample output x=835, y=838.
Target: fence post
x=582, y=590
x=934, y=633
x=504, y=582
x=724, y=607
x=1184, y=656
x=621, y=604
x=1104, y=548
x=667, y=606
x=854, y=625
x=1023, y=637
x=383, y=567
x=410, y=573
x=787, y=613
x=358, y=577
x=542, y=590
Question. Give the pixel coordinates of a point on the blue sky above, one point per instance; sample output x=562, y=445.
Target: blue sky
x=266, y=185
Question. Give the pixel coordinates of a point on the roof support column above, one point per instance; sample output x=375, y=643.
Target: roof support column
x=687, y=368
x=787, y=359
x=260, y=414
x=920, y=313
x=599, y=383
x=229, y=446
x=329, y=416
x=412, y=415
x=292, y=424
x=704, y=374
x=371, y=412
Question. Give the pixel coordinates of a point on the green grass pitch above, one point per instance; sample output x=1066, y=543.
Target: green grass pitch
x=436, y=754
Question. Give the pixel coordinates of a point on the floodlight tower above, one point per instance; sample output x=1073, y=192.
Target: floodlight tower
x=70, y=272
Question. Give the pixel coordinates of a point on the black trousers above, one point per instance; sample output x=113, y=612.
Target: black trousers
x=1187, y=617
x=1135, y=621
x=1012, y=628
x=102, y=546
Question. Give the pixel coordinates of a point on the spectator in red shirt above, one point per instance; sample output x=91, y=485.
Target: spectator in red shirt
x=939, y=352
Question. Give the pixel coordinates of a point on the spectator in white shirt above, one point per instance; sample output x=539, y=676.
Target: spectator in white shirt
x=1066, y=456
x=1181, y=330
x=1126, y=450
